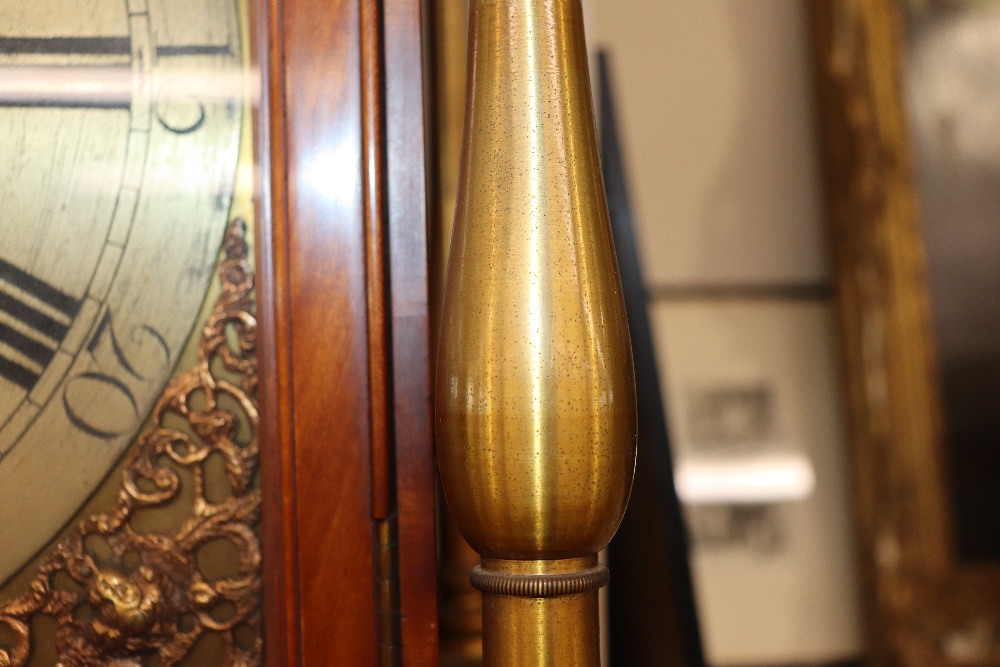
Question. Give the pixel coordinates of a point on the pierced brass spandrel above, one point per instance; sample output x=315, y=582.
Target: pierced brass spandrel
x=144, y=593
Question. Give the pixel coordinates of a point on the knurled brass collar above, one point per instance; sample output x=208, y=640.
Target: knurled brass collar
x=540, y=585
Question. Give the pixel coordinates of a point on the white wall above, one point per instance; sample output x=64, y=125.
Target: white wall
x=716, y=114
x=715, y=104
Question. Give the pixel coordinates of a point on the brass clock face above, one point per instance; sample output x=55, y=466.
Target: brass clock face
x=120, y=125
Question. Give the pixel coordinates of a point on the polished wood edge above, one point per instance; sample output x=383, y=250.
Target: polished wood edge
x=373, y=170
x=281, y=594
x=294, y=619
x=329, y=368
x=408, y=183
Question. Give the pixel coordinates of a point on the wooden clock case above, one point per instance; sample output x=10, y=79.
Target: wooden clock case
x=345, y=353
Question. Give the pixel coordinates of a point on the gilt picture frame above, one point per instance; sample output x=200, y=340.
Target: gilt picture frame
x=925, y=605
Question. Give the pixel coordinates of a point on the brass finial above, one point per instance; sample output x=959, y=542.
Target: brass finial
x=536, y=417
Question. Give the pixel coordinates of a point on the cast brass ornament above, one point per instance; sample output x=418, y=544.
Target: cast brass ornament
x=535, y=396
x=150, y=597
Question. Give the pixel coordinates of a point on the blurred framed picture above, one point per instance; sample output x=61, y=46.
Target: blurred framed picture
x=910, y=118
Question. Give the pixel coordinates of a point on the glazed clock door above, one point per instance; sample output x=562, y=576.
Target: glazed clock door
x=215, y=420
x=116, y=184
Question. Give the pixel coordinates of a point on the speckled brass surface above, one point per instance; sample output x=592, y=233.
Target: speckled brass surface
x=530, y=632
x=559, y=631
x=536, y=418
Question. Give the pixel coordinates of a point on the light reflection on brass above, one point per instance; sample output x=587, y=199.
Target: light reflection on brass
x=536, y=417
x=524, y=630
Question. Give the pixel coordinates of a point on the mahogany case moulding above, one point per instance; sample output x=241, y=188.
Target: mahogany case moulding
x=344, y=310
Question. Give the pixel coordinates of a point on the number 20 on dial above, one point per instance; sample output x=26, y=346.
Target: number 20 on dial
x=120, y=125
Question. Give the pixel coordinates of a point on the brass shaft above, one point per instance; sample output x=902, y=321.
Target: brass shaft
x=543, y=626
x=549, y=632
x=536, y=418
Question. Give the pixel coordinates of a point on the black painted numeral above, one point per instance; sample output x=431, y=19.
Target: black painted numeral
x=184, y=129
x=68, y=46
x=101, y=46
x=39, y=334
x=109, y=377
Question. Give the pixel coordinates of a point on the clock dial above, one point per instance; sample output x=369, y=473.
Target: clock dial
x=121, y=124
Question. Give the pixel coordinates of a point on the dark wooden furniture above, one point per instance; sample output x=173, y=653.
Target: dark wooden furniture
x=342, y=257
x=652, y=615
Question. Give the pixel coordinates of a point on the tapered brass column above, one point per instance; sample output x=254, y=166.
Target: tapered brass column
x=536, y=417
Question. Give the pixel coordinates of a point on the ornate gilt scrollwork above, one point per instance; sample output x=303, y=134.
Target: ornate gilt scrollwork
x=146, y=595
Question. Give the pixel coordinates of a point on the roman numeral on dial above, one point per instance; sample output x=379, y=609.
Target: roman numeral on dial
x=100, y=46
x=34, y=320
